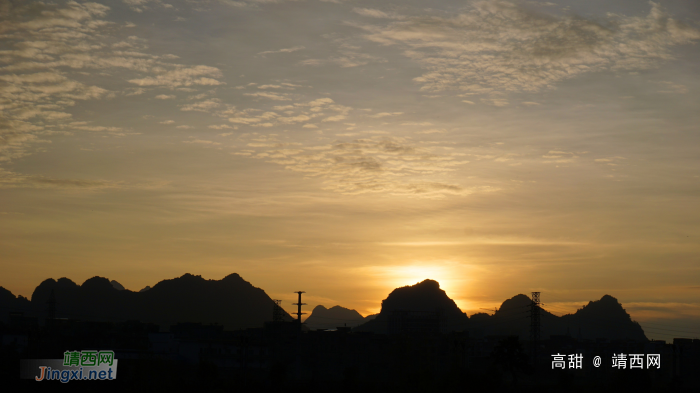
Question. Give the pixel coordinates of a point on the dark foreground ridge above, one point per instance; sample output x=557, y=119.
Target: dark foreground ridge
x=424, y=302
x=334, y=317
x=191, y=334
x=231, y=301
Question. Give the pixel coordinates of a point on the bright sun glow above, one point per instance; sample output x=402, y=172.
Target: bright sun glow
x=446, y=273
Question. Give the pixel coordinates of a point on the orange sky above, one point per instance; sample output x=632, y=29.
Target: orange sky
x=345, y=149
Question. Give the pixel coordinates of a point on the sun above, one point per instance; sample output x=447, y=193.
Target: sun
x=410, y=275
x=450, y=277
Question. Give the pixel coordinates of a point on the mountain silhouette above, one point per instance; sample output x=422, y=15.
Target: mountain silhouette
x=604, y=318
x=10, y=303
x=117, y=285
x=236, y=304
x=512, y=319
x=424, y=297
x=331, y=318
x=231, y=301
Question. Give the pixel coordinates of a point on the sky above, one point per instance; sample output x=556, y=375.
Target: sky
x=346, y=148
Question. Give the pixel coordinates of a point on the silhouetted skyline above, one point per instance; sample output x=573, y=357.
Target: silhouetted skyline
x=234, y=303
x=349, y=148
x=191, y=333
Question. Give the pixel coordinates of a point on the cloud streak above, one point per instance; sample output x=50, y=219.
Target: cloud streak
x=284, y=50
x=15, y=180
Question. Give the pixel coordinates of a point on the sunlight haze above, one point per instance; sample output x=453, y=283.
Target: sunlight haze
x=346, y=148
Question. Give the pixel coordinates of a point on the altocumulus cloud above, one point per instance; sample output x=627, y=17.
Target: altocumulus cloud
x=379, y=163
x=48, y=49
x=497, y=46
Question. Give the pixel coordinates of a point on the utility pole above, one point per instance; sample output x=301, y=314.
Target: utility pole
x=298, y=365
x=535, y=326
x=299, y=304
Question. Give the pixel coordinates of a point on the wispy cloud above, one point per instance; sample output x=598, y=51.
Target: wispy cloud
x=385, y=114
x=269, y=95
x=15, y=180
x=378, y=163
x=374, y=13
x=202, y=106
x=182, y=76
x=672, y=88
x=49, y=49
x=561, y=157
x=497, y=46
x=142, y=5
x=284, y=50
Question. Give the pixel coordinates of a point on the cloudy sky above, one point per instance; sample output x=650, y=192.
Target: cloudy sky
x=346, y=148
